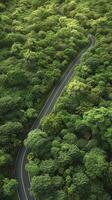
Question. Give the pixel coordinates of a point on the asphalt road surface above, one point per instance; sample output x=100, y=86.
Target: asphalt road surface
x=21, y=174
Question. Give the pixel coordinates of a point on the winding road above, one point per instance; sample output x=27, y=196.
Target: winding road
x=21, y=174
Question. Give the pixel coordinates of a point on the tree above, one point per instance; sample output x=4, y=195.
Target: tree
x=95, y=163
x=9, y=103
x=70, y=138
x=10, y=133
x=41, y=185
x=81, y=183
x=48, y=166
x=33, y=167
x=57, y=182
x=36, y=140
x=61, y=195
x=99, y=121
x=4, y=158
x=9, y=187
x=69, y=154
x=70, y=158
x=98, y=192
x=31, y=113
x=17, y=78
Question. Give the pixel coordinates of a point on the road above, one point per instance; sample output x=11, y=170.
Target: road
x=21, y=174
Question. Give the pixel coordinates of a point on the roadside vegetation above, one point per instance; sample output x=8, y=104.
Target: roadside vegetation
x=38, y=40
x=70, y=156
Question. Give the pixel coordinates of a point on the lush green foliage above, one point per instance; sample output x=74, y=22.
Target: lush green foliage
x=70, y=156
x=38, y=40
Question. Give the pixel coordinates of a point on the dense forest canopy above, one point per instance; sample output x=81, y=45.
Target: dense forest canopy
x=70, y=155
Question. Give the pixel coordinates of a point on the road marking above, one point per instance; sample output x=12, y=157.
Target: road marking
x=22, y=174
x=63, y=81
x=47, y=109
x=18, y=195
x=46, y=101
x=41, y=118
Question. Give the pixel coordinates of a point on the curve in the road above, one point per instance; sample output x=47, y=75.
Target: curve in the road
x=21, y=174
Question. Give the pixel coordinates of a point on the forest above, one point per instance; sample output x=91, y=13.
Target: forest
x=71, y=154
